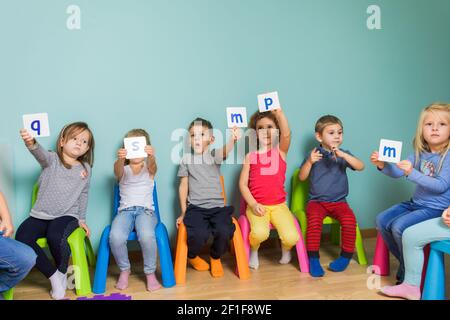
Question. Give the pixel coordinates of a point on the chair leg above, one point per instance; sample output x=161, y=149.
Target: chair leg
x=9, y=294
x=101, y=270
x=381, y=257
x=301, y=216
x=82, y=279
x=360, y=247
x=426, y=255
x=244, y=224
x=165, y=258
x=434, y=287
x=301, y=250
x=89, y=252
x=181, y=255
x=242, y=269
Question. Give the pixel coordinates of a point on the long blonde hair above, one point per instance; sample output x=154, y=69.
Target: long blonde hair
x=419, y=143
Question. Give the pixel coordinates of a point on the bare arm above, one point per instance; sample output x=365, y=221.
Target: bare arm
x=305, y=170
x=183, y=195
x=285, y=131
x=257, y=208
x=226, y=149
x=353, y=161
x=306, y=167
x=151, y=160
x=243, y=183
x=120, y=163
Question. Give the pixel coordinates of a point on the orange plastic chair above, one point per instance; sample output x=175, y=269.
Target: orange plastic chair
x=237, y=245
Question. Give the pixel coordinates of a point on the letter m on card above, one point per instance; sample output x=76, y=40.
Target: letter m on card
x=390, y=151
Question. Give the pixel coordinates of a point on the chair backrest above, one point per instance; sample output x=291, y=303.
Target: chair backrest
x=34, y=194
x=299, y=193
x=222, y=182
x=116, y=201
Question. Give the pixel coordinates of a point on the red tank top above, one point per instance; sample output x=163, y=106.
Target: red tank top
x=266, y=177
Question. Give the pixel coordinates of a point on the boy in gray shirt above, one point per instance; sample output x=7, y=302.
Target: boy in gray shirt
x=203, y=210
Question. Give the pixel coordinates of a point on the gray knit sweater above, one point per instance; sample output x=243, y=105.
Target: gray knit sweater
x=62, y=191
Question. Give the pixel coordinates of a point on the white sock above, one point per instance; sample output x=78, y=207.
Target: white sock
x=285, y=256
x=57, y=281
x=254, y=260
x=64, y=279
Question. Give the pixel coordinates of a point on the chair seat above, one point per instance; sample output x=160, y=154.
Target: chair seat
x=42, y=242
x=132, y=236
x=443, y=246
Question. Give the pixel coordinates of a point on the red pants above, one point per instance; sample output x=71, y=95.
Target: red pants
x=316, y=212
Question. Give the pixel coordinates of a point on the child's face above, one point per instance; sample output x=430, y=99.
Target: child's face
x=77, y=145
x=331, y=136
x=436, y=129
x=266, y=130
x=200, y=138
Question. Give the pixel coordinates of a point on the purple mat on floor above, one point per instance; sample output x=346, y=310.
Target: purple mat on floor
x=114, y=296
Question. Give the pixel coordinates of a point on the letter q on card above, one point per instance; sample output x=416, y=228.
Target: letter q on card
x=36, y=124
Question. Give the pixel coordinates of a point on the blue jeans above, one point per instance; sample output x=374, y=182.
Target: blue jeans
x=16, y=260
x=142, y=220
x=392, y=222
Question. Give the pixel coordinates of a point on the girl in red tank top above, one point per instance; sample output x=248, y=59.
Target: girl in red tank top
x=262, y=184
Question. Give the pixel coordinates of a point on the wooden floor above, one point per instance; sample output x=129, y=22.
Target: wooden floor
x=271, y=281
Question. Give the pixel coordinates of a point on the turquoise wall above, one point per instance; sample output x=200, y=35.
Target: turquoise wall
x=157, y=64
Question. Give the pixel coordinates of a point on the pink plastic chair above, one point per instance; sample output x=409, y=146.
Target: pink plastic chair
x=245, y=229
x=381, y=257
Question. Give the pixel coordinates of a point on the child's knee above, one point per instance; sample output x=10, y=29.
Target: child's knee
x=197, y=235
x=259, y=234
x=290, y=239
x=117, y=238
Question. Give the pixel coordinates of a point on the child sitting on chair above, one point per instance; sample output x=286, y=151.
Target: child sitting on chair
x=203, y=211
x=328, y=188
x=262, y=184
x=135, y=212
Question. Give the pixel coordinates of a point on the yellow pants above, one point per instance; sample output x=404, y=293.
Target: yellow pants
x=281, y=218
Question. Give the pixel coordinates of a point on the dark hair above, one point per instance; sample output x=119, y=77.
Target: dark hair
x=202, y=122
x=260, y=115
x=69, y=131
x=326, y=121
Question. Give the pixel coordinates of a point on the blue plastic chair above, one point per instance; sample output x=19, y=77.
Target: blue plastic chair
x=434, y=287
x=162, y=240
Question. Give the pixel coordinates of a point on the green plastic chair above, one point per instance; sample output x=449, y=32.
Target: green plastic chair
x=299, y=197
x=8, y=294
x=80, y=246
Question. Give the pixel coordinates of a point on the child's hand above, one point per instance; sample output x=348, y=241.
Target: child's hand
x=406, y=166
x=338, y=152
x=149, y=150
x=315, y=156
x=259, y=210
x=179, y=220
x=6, y=228
x=446, y=217
x=86, y=228
x=122, y=154
x=27, y=138
x=276, y=111
x=374, y=159
x=236, y=133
